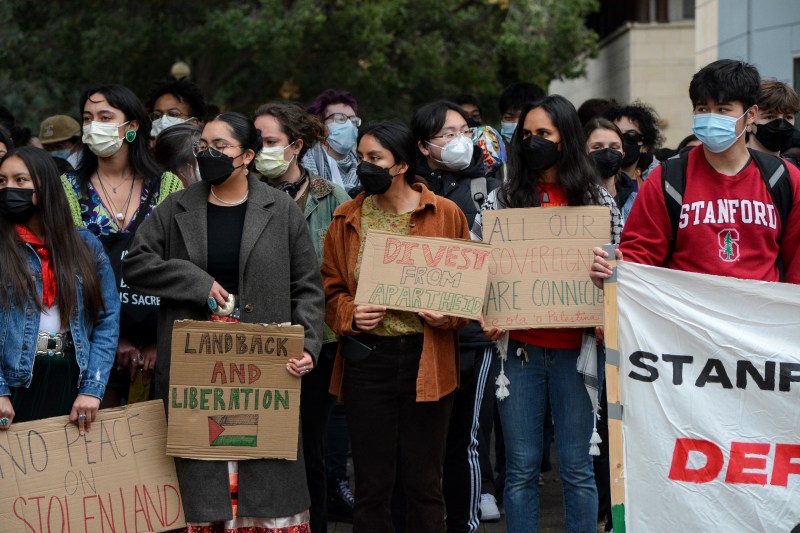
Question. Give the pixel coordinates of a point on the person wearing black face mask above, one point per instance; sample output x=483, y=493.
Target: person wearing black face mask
x=604, y=142
x=233, y=249
x=56, y=332
x=548, y=166
x=398, y=389
x=641, y=134
x=772, y=132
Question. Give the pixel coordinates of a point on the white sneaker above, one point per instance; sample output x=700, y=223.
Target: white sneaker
x=489, y=510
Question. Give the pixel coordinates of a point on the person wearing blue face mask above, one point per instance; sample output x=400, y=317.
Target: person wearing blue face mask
x=335, y=159
x=736, y=218
x=514, y=98
x=61, y=137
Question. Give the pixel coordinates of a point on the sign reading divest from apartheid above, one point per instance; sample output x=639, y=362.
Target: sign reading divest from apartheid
x=115, y=478
x=539, y=266
x=230, y=396
x=423, y=274
x=710, y=386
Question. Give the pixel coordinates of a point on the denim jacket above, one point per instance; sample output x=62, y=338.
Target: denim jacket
x=95, y=343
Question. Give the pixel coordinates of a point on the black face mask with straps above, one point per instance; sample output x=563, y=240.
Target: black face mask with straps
x=374, y=179
x=17, y=204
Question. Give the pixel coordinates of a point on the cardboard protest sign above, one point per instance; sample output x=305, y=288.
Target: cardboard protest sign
x=230, y=394
x=423, y=274
x=115, y=478
x=539, y=266
x=710, y=383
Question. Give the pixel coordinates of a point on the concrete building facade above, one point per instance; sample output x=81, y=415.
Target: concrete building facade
x=653, y=56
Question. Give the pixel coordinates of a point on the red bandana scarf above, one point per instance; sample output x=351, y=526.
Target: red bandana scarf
x=48, y=273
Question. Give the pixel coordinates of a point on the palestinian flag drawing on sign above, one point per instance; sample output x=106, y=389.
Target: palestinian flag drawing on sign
x=233, y=430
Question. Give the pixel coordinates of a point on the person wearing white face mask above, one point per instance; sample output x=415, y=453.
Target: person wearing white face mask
x=454, y=169
x=287, y=132
x=335, y=159
x=115, y=187
x=175, y=102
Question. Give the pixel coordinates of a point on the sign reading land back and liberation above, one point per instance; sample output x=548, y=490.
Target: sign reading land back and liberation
x=539, y=266
x=423, y=274
x=115, y=478
x=230, y=394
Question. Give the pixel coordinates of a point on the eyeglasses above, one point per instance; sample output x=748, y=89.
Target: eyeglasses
x=450, y=136
x=218, y=150
x=174, y=113
x=341, y=118
x=633, y=137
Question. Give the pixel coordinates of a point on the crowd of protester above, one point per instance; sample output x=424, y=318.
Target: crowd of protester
x=114, y=225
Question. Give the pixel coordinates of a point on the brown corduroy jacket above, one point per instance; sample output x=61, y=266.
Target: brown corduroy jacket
x=434, y=217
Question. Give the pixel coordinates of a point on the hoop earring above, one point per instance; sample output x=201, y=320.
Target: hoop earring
x=130, y=135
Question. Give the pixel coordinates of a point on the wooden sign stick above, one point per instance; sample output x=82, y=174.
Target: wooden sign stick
x=615, y=413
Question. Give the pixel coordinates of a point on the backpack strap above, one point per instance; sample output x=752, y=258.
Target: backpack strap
x=776, y=176
x=478, y=190
x=673, y=183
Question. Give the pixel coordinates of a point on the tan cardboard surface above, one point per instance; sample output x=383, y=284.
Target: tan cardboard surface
x=539, y=266
x=423, y=274
x=115, y=478
x=230, y=394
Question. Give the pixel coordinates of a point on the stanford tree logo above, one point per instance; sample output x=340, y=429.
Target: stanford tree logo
x=728, y=240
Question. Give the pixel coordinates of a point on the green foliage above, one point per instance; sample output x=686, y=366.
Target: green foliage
x=394, y=55
x=543, y=40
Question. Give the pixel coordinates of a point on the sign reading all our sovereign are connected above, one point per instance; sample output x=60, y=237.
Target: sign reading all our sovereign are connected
x=539, y=266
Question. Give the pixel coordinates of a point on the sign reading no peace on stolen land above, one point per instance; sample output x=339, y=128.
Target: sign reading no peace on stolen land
x=447, y=276
x=117, y=477
x=230, y=396
x=539, y=266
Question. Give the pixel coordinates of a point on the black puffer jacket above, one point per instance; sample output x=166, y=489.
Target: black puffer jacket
x=455, y=186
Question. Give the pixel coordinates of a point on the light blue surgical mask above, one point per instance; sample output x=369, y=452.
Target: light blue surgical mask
x=716, y=132
x=63, y=154
x=342, y=137
x=507, y=130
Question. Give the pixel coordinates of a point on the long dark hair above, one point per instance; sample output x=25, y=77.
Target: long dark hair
x=396, y=137
x=139, y=156
x=576, y=173
x=70, y=256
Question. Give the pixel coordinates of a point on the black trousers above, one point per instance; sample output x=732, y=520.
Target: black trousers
x=391, y=433
x=462, y=468
x=315, y=408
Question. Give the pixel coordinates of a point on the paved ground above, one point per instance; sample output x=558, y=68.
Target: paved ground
x=551, y=521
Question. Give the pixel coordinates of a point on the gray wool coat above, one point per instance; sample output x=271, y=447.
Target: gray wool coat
x=279, y=281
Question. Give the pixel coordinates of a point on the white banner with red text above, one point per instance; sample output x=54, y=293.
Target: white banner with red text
x=710, y=387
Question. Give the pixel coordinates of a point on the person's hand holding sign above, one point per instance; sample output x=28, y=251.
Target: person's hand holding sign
x=493, y=333
x=433, y=319
x=366, y=317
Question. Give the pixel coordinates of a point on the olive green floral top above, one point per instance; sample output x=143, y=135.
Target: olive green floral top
x=395, y=322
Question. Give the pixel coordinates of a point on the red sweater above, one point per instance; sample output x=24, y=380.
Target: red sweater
x=728, y=225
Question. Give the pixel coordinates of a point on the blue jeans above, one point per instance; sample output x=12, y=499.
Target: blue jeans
x=548, y=371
